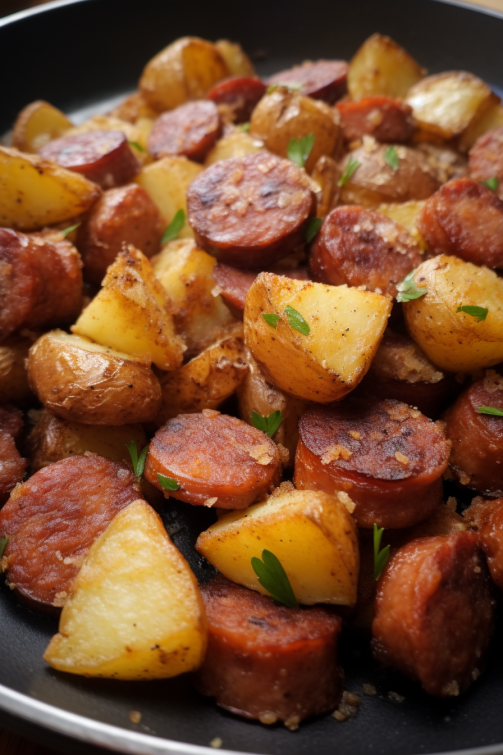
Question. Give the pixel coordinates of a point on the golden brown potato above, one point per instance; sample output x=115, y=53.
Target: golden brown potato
x=37, y=124
x=406, y=214
x=132, y=313
x=382, y=67
x=85, y=382
x=345, y=328
x=457, y=341
x=133, y=108
x=236, y=144
x=14, y=386
x=326, y=174
x=135, y=610
x=310, y=532
x=183, y=71
x=236, y=60
x=36, y=192
x=284, y=114
x=54, y=438
x=489, y=120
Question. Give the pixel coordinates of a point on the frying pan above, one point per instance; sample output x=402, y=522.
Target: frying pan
x=81, y=55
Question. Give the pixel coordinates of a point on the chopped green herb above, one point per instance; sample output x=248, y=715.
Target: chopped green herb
x=490, y=410
x=300, y=149
x=3, y=543
x=312, y=229
x=296, y=321
x=70, y=229
x=268, y=424
x=407, y=289
x=479, y=312
x=167, y=482
x=244, y=127
x=349, y=170
x=137, y=146
x=380, y=556
x=391, y=157
x=491, y=183
x=271, y=320
x=273, y=87
x=273, y=578
x=138, y=461
x=174, y=227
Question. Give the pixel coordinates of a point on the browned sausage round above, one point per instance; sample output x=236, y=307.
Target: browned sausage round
x=388, y=457
x=266, y=661
x=384, y=118
x=486, y=158
x=189, y=130
x=356, y=246
x=250, y=211
x=322, y=80
x=239, y=94
x=465, y=218
x=234, y=283
x=40, y=281
x=11, y=420
x=477, y=439
x=101, y=156
x=434, y=612
x=12, y=465
x=216, y=460
x=53, y=519
x=123, y=215
x=486, y=517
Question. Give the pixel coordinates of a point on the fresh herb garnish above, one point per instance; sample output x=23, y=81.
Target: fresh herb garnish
x=273, y=578
x=391, y=157
x=167, y=482
x=479, y=312
x=273, y=87
x=407, y=289
x=300, y=149
x=312, y=229
x=70, y=229
x=491, y=183
x=380, y=556
x=174, y=227
x=268, y=424
x=350, y=168
x=271, y=320
x=138, y=461
x=296, y=321
x=3, y=543
x=490, y=410
x=137, y=146
x=244, y=127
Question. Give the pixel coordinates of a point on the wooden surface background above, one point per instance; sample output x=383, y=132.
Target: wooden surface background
x=11, y=744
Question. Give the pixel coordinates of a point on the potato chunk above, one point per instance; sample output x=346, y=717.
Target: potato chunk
x=382, y=67
x=406, y=214
x=312, y=534
x=345, y=328
x=131, y=313
x=36, y=192
x=487, y=121
x=236, y=60
x=457, y=341
x=37, y=124
x=134, y=611
x=236, y=144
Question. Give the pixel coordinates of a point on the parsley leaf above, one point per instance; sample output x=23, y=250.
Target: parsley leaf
x=349, y=170
x=312, y=229
x=296, y=321
x=407, y=289
x=3, y=543
x=268, y=424
x=138, y=461
x=273, y=578
x=174, y=227
x=490, y=410
x=491, y=183
x=380, y=556
x=271, y=88
x=137, y=146
x=271, y=320
x=300, y=149
x=479, y=312
x=244, y=127
x=70, y=229
x=391, y=157
x=167, y=482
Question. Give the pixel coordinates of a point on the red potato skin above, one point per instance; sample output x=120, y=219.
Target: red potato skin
x=434, y=612
x=465, y=218
x=356, y=247
x=189, y=130
x=40, y=281
x=266, y=658
x=234, y=283
x=388, y=492
x=250, y=212
x=384, y=118
x=210, y=456
x=322, y=80
x=53, y=519
x=126, y=215
x=239, y=94
x=103, y=157
x=486, y=518
x=486, y=158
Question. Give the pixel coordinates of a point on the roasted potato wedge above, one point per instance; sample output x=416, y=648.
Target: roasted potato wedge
x=37, y=124
x=489, y=120
x=345, y=328
x=311, y=533
x=14, y=386
x=406, y=214
x=382, y=67
x=326, y=174
x=454, y=340
x=183, y=71
x=85, y=382
x=236, y=60
x=132, y=313
x=236, y=144
x=135, y=610
x=36, y=192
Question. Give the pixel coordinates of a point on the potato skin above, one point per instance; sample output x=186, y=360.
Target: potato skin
x=83, y=382
x=381, y=67
x=37, y=124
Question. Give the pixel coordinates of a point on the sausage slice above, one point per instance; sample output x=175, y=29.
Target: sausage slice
x=234, y=283
x=486, y=517
x=386, y=456
x=190, y=130
x=239, y=95
x=384, y=118
x=486, y=158
x=266, y=661
x=12, y=465
x=323, y=80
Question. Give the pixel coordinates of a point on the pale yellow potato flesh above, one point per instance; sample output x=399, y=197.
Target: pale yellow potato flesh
x=456, y=341
x=346, y=327
x=381, y=66
x=236, y=60
x=37, y=124
x=490, y=119
x=406, y=214
x=311, y=533
x=36, y=192
x=236, y=144
x=134, y=610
